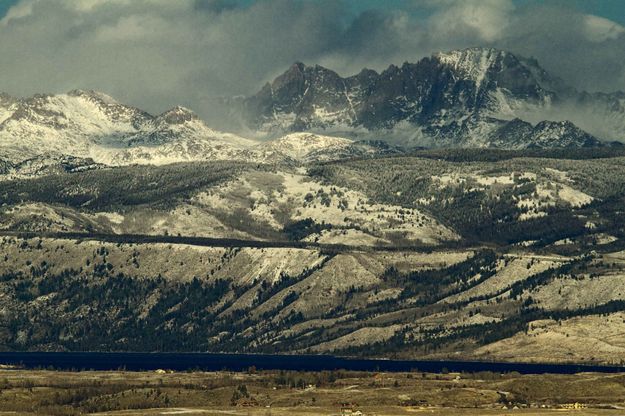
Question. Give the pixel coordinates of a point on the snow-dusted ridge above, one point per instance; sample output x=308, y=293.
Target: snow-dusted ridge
x=477, y=97
x=300, y=146
x=93, y=125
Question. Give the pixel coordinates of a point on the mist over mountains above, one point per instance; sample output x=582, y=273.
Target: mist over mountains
x=473, y=97
x=477, y=97
x=155, y=54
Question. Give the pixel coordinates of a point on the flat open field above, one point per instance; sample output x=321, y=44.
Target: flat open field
x=25, y=392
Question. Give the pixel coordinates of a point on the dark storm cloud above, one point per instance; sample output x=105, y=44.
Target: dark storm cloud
x=159, y=53
x=586, y=51
x=214, y=6
x=370, y=34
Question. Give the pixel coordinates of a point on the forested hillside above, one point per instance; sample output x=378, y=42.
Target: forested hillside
x=438, y=254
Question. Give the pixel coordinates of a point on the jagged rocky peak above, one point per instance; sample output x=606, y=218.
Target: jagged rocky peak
x=178, y=115
x=299, y=72
x=6, y=99
x=520, y=134
x=289, y=86
x=93, y=95
x=294, y=75
x=491, y=68
x=456, y=98
x=8, y=105
x=111, y=108
x=365, y=77
x=562, y=134
x=300, y=98
x=473, y=62
x=86, y=110
x=300, y=80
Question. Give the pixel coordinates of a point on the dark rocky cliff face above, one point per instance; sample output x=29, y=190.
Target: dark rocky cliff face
x=451, y=97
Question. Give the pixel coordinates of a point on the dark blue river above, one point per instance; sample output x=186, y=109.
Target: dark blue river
x=241, y=362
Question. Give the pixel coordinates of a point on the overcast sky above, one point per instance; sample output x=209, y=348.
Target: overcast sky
x=159, y=53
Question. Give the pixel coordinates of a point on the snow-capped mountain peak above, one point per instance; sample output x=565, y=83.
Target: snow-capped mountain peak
x=6, y=100
x=8, y=106
x=299, y=145
x=456, y=98
x=472, y=63
x=178, y=115
x=490, y=64
x=94, y=95
x=84, y=123
x=477, y=97
x=310, y=147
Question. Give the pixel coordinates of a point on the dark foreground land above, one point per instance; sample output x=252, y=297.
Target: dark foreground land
x=26, y=392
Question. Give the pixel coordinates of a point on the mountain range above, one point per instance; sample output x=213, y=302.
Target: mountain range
x=331, y=231
x=477, y=97
x=89, y=125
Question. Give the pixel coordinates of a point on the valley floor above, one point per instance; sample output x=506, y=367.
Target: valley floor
x=25, y=392
x=396, y=411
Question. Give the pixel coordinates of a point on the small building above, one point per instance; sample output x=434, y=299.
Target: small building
x=573, y=406
x=247, y=402
x=349, y=409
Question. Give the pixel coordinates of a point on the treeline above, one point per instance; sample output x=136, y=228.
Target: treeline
x=431, y=285
x=439, y=340
x=115, y=188
x=103, y=312
x=496, y=155
x=223, y=242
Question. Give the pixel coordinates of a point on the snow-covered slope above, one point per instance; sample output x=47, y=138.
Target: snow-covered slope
x=477, y=97
x=7, y=106
x=77, y=118
x=300, y=145
x=44, y=130
x=307, y=146
x=311, y=147
x=92, y=124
